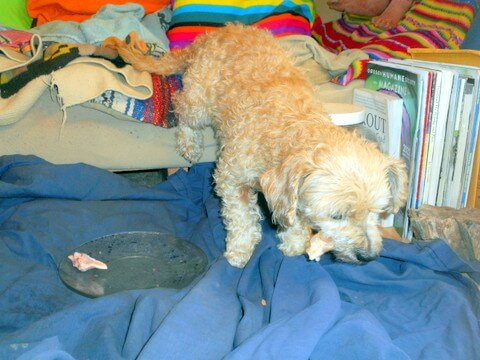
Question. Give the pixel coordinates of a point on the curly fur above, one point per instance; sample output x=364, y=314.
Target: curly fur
x=275, y=138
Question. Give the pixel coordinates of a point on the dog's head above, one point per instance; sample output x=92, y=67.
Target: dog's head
x=340, y=192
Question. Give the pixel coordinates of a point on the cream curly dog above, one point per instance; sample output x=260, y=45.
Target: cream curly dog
x=326, y=186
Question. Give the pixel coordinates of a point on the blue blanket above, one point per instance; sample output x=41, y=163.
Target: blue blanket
x=411, y=303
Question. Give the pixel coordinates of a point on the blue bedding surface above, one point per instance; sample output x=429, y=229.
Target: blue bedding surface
x=414, y=302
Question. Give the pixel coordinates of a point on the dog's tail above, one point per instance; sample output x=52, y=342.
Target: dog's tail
x=173, y=62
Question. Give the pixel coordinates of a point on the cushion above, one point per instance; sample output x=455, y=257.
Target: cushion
x=13, y=13
x=193, y=17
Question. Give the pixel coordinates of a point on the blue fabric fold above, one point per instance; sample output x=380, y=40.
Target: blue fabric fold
x=413, y=302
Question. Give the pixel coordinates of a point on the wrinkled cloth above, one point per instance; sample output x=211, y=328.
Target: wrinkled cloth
x=413, y=302
x=18, y=48
x=72, y=10
x=55, y=57
x=82, y=79
x=75, y=78
x=319, y=64
x=110, y=20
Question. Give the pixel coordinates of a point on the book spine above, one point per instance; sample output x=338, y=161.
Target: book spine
x=462, y=129
x=421, y=148
x=417, y=153
x=473, y=191
x=471, y=149
x=446, y=93
x=429, y=140
x=449, y=147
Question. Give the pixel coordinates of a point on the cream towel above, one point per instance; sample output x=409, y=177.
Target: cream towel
x=319, y=64
x=81, y=80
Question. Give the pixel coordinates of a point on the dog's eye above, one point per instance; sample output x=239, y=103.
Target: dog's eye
x=337, y=216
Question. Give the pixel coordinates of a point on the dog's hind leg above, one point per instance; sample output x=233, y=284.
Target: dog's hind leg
x=189, y=143
x=193, y=116
x=241, y=216
x=193, y=107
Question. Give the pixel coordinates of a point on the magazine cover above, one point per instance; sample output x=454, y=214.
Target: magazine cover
x=382, y=124
x=383, y=119
x=407, y=85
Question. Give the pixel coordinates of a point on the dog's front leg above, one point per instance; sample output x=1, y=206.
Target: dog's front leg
x=241, y=216
x=294, y=239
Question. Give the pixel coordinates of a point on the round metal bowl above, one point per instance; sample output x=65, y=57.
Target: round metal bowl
x=135, y=260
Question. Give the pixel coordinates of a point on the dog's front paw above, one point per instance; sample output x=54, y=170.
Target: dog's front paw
x=293, y=240
x=189, y=143
x=236, y=258
x=289, y=249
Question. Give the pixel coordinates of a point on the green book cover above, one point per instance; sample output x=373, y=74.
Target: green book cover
x=407, y=85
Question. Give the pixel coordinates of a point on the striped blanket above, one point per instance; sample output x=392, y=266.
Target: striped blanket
x=156, y=110
x=440, y=24
x=191, y=18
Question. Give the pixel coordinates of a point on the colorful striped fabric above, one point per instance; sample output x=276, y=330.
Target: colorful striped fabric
x=440, y=24
x=156, y=110
x=193, y=17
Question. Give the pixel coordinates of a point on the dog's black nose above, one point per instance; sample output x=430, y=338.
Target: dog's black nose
x=362, y=257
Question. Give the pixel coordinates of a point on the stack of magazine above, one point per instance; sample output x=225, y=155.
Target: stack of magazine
x=426, y=113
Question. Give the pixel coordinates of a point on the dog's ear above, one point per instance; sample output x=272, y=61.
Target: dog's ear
x=280, y=187
x=397, y=175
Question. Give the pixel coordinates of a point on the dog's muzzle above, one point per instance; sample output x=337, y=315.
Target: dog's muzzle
x=363, y=258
